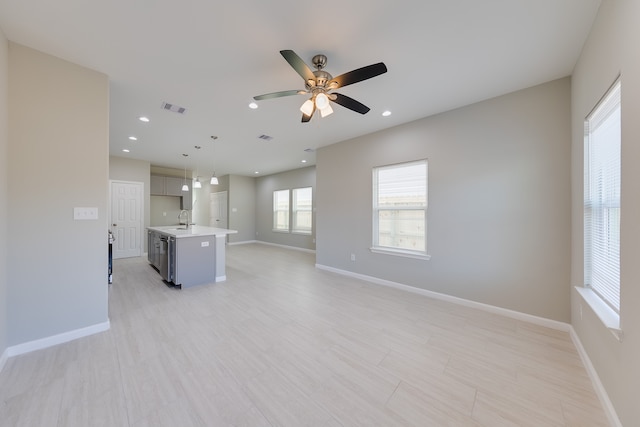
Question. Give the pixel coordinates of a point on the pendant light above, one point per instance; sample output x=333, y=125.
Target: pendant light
x=197, y=183
x=185, y=187
x=214, y=178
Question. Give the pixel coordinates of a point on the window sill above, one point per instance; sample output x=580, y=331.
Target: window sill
x=606, y=314
x=280, y=231
x=400, y=253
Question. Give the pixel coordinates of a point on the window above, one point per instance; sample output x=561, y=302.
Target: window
x=302, y=210
x=602, y=199
x=281, y=210
x=400, y=209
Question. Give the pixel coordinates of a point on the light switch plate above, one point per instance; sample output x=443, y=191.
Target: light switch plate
x=204, y=244
x=85, y=213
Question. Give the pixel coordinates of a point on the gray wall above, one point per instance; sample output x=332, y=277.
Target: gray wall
x=58, y=151
x=498, y=227
x=123, y=169
x=611, y=49
x=242, y=208
x=265, y=186
x=4, y=177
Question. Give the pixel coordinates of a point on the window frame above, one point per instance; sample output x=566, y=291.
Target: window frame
x=276, y=211
x=295, y=209
x=376, y=246
x=602, y=217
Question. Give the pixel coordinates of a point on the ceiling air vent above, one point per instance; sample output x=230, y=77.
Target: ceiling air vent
x=173, y=108
x=265, y=137
x=309, y=150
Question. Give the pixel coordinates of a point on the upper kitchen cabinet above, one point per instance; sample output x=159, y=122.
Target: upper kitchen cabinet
x=157, y=185
x=166, y=186
x=171, y=186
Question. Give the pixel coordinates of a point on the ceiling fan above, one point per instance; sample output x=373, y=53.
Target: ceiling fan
x=320, y=84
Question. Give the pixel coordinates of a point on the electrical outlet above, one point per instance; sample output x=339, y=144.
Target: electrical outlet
x=204, y=244
x=353, y=257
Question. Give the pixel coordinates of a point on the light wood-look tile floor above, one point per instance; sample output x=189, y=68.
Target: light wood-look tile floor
x=281, y=343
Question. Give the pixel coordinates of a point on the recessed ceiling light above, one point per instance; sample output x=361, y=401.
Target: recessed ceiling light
x=304, y=161
x=386, y=113
x=256, y=172
x=253, y=105
x=133, y=138
x=125, y=150
x=144, y=119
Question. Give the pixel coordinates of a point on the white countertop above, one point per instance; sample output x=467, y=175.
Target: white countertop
x=179, y=231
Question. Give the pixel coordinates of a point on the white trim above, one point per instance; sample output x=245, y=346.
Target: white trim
x=609, y=410
x=220, y=278
x=400, y=253
x=3, y=358
x=64, y=337
x=311, y=251
x=529, y=318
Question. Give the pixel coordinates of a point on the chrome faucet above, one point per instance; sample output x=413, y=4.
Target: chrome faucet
x=184, y=211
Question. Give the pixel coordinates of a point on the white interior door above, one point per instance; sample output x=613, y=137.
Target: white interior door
x=126, y=218
x=218, y=210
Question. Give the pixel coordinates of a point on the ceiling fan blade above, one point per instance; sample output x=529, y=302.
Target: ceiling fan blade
x=358, y=75
x=350, y=103
x=298, y=64
x=278, y=94
x=306, y=118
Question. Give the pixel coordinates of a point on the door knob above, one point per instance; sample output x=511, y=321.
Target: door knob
x=115, y=225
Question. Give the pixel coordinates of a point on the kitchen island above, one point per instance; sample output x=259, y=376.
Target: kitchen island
x=188, y=256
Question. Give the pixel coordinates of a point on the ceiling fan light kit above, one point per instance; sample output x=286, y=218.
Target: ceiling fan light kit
x=320, y=83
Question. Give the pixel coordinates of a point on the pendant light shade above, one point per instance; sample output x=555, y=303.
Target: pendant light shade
x=185, y=187
x=197, y=184
x=214, y=179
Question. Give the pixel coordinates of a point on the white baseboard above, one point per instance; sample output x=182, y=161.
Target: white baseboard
x=56, y=339
x=609, y=410
x=244, y=242
x=541, y=321
x=295, y=248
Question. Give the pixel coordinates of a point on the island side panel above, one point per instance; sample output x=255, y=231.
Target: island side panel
x=195, y=261
x=221, y=241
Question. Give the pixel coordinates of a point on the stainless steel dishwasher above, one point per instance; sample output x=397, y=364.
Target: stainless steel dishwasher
x=167, y=257
x=163, y=258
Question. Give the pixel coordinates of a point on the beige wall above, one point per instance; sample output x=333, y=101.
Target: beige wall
x=611, y=49
x=58, y=151
x=4, y=177
x=499, y=201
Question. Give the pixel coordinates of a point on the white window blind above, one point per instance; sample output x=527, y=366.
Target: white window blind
x=302, y=210
x=400, y=208
x=602, y=198
x=281, y=210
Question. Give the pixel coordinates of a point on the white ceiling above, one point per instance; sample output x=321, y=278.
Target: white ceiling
x=212, y=57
